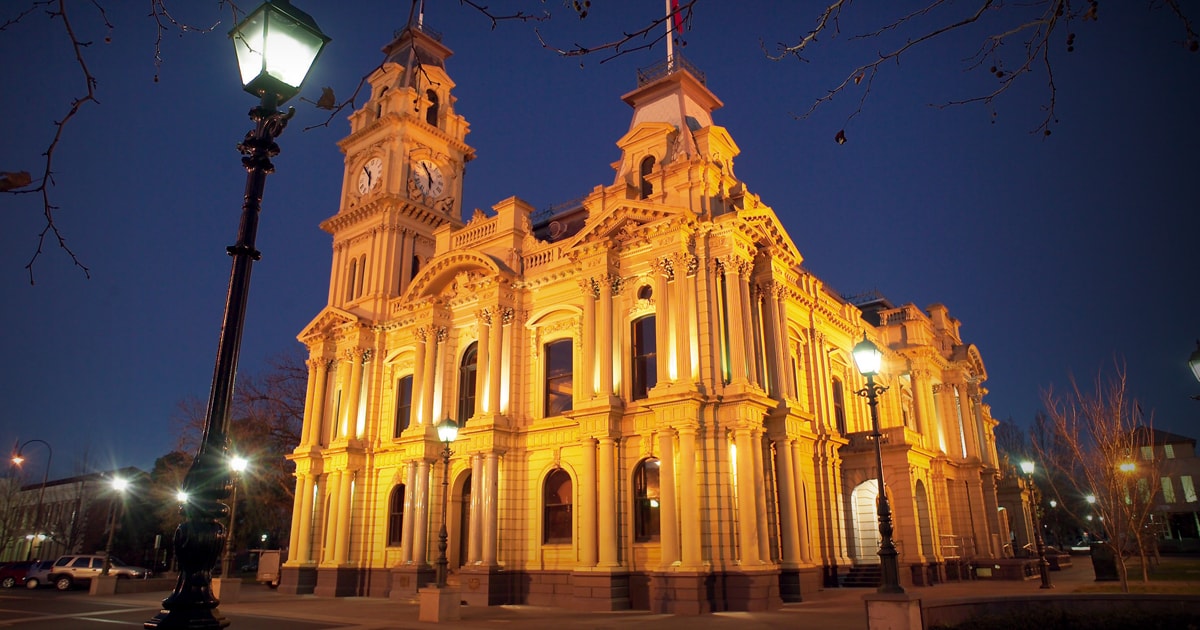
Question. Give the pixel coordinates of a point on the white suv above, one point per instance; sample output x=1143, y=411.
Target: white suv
x=68, y=570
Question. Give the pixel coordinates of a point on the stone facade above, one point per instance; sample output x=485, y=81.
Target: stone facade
x=657, y=400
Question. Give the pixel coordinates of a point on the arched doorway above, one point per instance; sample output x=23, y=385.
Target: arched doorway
x=865, y=516
x=464, y=521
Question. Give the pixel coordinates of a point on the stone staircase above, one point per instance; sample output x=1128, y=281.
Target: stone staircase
x=864, y=576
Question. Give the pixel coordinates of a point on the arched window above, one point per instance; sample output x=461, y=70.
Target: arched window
x=839, y=406
x=556, y=510
x=558, y=377
x=379, y=102
x=403, y=405
x=431, y=114
x=645, y=361
x=362, y=275
x=467, y=369
x=416, y=266
x=645, y=500
x=644, y=175
x=396, y=517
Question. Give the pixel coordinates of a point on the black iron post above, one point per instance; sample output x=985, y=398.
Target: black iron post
x=227, y=557
x=887, y=548
x=442, y=562
x=37, y=514
x=1043, y=565
x=199, y=539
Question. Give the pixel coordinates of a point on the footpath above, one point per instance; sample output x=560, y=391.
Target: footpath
x=832, y=609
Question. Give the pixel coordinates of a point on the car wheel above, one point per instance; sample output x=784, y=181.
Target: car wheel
x=63, y=583
x=8, y=582
x=32, y=583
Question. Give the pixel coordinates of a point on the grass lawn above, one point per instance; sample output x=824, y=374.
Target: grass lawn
x=1173, y=575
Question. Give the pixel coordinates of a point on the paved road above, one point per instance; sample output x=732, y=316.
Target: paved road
x=261, y=608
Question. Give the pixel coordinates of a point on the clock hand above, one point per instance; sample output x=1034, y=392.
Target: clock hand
x=428, y=176
x=368, y=172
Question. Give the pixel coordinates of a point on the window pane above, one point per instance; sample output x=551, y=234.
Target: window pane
x=1168, y=490
x=466, y=384
x=645, y=366
x=1169, y=450
x=1189, y=490
x=403, y=405
x=558, y=377
x=645, y=501
x=396, y=517
x=556, y=520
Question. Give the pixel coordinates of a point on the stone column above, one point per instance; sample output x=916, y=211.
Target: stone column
x=791, y=389
x=604, y=336
x=410, y=508
x=747, y=323
x=587, y=505
x=789, y=527
x=734, y=324
x=491, y=507
x=432, y=343
x=420, y=555
x=483, y=368
x=358, y=358
x=691, y=304
x=803, y=521
x=312, y=426
x=475, y=544
x=607, y=503
x=689, y=501
x=333, y=486
x=301, y=545
x=344, y=517
x=587, y=360
x=664, y=344
x=747, y=514
x=420, y=373
x=760, y=498
x=668, y=511
x=306, y=425
x=496, y=354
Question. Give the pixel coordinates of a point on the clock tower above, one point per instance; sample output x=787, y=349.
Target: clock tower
x=405, y=158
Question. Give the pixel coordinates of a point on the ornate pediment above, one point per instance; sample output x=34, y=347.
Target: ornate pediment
x=623, y=223
x=330, y=322
x=765, y=226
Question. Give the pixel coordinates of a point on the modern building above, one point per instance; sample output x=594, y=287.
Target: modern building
x=657, y=399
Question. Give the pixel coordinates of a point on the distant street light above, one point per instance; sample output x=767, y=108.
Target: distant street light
x=117, y=504
x=18, y=459
x=868, y=358
x=1043, y=567
x=237, y=465
x=276, y=46
x=447, y=432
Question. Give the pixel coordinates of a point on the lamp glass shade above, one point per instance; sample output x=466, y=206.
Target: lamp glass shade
x=1194, y=361
x=447, y=430
x=120, y=484
x=867, y=357
x=238, y=464
x=1027, y=467
x=276, y=46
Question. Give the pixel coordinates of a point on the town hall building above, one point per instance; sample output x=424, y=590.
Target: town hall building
x=657, y=400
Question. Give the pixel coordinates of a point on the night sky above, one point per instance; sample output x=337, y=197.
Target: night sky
x=1060, y=255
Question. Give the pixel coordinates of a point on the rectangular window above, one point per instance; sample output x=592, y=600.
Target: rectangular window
x=1169, y=451
x=1168, y=490
x=1189, y=490
x=1147, y=453
x=403, y=405
x=645, y=358
x=559, y=375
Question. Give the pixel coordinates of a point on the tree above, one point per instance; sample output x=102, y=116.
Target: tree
x=1088, y=442
x=267, y=416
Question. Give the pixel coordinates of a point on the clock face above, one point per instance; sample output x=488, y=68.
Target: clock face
x=429, y=179
x=369, y=176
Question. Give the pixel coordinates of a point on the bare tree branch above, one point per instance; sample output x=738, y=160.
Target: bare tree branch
x=622, y=46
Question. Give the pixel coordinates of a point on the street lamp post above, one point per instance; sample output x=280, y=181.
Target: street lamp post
x=868, y=359
x=276, y=46
x=447, y=432
x=18, y=459
x=237, y=465
x=119, y=485
x=1043, y=567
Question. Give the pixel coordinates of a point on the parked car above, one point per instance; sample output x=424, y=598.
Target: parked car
x=39, y=574
x=13, y=573
x=71, y=570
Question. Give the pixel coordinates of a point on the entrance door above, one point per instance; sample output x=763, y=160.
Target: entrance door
x=464, y=521
x=866, y=522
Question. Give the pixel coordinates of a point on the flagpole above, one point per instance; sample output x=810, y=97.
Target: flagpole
x=670, y=23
